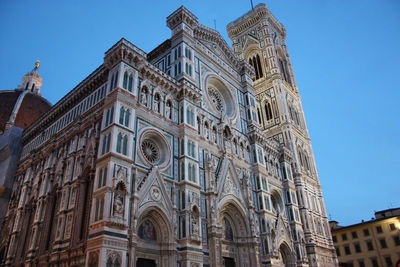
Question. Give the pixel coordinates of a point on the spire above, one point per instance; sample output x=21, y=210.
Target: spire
x=32, y=80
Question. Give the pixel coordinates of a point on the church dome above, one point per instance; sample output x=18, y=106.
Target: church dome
x=31, y=107
x=22, y=106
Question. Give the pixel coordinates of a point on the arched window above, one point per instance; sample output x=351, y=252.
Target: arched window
x=130, y=81
x=109, y=262
x=33, y=87
x=125, y=82
x=119, y=141
x=255, y=61
x=127, y=114
x=121, y=115
x=268, y=111
x=259, y=115
x=284, y=70
x=190, y=116
x=259, y=66
x=147, y=231
x=125, y=145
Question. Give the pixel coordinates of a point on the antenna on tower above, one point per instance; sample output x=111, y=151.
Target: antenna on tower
x=252, y=7
x=215, y=24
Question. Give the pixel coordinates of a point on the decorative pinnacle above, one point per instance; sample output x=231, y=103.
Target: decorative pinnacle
x=37, y=64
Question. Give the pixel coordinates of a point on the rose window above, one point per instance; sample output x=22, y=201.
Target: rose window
x=150, y=150
x=154, y=149
x=216, y=99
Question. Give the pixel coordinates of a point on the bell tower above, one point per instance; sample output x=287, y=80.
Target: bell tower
x=260, y=39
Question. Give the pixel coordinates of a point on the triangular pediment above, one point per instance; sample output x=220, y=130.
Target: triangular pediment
x=250, y=41
x=229, y=182
x=153, y=192
x=213, y=41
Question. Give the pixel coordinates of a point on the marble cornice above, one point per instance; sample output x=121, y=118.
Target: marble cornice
x=256, y=135
x=84, y=88
x=251, y=18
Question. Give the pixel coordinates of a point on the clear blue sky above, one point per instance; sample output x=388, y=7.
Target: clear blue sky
x=345, y=56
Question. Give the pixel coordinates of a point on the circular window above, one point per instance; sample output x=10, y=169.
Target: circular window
x=150, y=150
x=154, y=148
x=220, y=98
x=216, y=99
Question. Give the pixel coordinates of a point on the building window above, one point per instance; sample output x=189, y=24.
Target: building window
x=268, y=111
x=122, y=144
x=188, y=53
x=344, y=237
x=125, y=82
x=396, y=240
x=347, y=250
x=338, y=252
x=388, y=261
x=379, y=229
x=124, y=116
x=109, y=116
x=357, y=248
x=192, y=172
x=366, y=232
x=354, y=234
x=383, y=243
x=190, y=147
x=374, y=263
x=256, y=63
x=98, y=215
x=188, y=69
x=392, y=227
x=370, y=246
x=361, y=263
x=190, y=116
x=106, y=143
x=102, y=177
x=168, y=60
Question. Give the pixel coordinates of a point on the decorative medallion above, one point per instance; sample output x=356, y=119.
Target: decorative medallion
x=155, y=193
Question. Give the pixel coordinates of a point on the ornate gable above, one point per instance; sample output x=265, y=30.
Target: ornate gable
x=214, y=41
x=228, y=182
x=154, y=193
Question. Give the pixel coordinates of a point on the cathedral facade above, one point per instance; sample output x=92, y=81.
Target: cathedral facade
x=195, y=154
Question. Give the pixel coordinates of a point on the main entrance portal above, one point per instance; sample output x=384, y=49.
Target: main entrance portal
x=145, y=263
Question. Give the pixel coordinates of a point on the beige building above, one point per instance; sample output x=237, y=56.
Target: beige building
x=194, y=154
x=369, y=243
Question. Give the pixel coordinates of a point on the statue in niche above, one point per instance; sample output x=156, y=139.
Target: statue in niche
x=118, y=206
x=214, y=135
x=206, y=132
x=195, y=222
x=246, y=177
x=168, y=110
x=157, y=103
x=143, y=96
